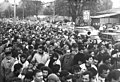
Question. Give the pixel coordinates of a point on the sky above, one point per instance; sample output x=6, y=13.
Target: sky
x=116, y=3
x=12, y=1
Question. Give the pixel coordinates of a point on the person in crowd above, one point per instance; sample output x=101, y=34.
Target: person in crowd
x=79, y=58
x=14, y=76
x=86, y=76
x=69, y=78
x=53, y=78
x=54, y=59
x=39, y=66
x=37, y=76
x=6, y=65
x=56, y=69
x=40, y=56
x=101, y=54
x=107, y=61
x=109, y=48
x=39, y=42
x=88, y=64
x=95, y=61
x=67, y=60
x=103, y=71
x=22, y=60
x=46, y=71
x=77, y=73
x=28, y=76
x=113, y=76
x=63, y=75
x=94, y=74
x=30, y=69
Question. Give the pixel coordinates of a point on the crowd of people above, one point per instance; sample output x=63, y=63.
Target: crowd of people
x=41, y=53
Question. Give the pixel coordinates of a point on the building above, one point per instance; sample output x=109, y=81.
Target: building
x=111, y=16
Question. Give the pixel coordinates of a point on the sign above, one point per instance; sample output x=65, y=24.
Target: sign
x=86, y=15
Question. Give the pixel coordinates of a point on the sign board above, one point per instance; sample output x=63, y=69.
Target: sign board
x=86, y=15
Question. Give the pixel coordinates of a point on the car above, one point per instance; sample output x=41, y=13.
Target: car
x=86, y=29
x=95, y=37
x=117, y=27
x=109, y=36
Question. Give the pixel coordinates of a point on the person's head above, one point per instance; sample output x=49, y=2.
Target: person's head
x=17, y=68
x=79, y=59
x=74, y=49
x=93, y=73
x=76, y=69
x=89, y=59
x=41, y=50
x=39, y=66
x=37, y=75
x=56, y=68
x=53, y=78
x=8, y=55
x=46, y=71
x=114, y=76
x=107, y=59
x=103, y=70
x=30, y=66
x=86, y=76
x=95, y=61
x=23, y=58
x=55, y=56
x=28, y=76
x=64, y=73
x=69, y=78
x=110, y=45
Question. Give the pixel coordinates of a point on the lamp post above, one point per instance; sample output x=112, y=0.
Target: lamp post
x=14, y=11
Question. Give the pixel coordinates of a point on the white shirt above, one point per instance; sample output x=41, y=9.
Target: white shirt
x=41, y=58
x=100, y=79
x=25, y=65
x=84, y=68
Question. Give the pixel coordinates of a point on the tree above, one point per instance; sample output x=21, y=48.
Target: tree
x=48, y=11
x=61, y=7
x=30, y=7
x=74, y=8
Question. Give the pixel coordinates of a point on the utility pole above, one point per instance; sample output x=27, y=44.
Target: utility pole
x=23, y=9
x=14, y=11
x=54, y=9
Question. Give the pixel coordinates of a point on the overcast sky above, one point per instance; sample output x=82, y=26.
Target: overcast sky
x=12, y=1
x=116, y=3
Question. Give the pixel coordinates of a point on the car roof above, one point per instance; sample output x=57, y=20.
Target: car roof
x=110, y=33
x=84, y=27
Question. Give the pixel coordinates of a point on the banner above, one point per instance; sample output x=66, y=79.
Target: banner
x=86, y=15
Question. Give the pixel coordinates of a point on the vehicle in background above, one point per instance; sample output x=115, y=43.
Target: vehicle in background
x=113, y=30
x=86, y=29
x=95, y=37
x=117, y=27
x=110, y=37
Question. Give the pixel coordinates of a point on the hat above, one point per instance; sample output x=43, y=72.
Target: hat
x=53, y=77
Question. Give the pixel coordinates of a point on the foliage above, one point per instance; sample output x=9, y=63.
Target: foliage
x=48, y=11
x=30, y=7
x=26, y=8
x=74, y=8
